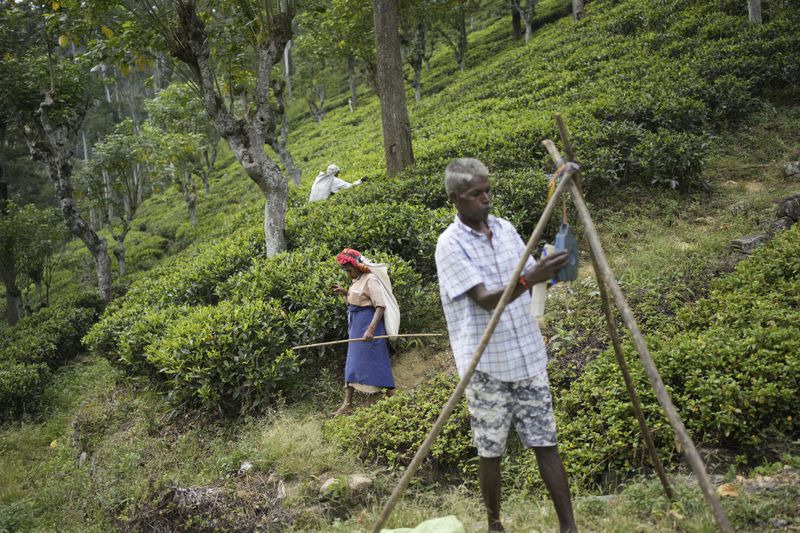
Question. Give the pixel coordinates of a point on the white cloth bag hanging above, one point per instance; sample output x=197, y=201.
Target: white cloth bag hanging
x=391, y=315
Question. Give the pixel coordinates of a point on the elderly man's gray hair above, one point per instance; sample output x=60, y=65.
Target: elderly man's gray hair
x=461, y=171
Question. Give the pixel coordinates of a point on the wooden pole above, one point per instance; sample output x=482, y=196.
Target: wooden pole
x=487, y=334
x=345, y=341
x=689, y=450
x=615, y=341
x=603, y=270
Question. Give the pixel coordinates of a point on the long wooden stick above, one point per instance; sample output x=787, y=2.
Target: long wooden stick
x=615, y=338
x=487, y=334
x=689, y=450
x=345, y=341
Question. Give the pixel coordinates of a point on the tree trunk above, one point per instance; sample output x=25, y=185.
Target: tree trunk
x=190, y=197
x=190, y=43
x=109, y=196
x=8, y=265
x=206, y=173
x=416, y=60
x=461, y=48
x=516, y=22
x=394, y=114
x=527, y=13
x=54, y=145
x=577, y=9
x=275, y=218
x=754, y=11
x=317, y=110
x=279, y=143
x=287, y=67
x=351, y=79
x=119, y=254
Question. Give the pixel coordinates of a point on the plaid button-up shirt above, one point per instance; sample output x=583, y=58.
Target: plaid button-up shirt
x=465, y=259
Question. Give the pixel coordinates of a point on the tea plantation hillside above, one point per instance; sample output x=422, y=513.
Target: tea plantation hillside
x=682, y=115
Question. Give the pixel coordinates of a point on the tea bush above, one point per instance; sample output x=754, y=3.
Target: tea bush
x=38, y=344
x=189, y=278
x=391, y=431
x=301, y=280
x=230, y=358
x=408, y=231
x=148, y=334
x=731, y=363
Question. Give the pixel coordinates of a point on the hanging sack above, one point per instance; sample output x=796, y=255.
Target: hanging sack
x=391, y=315
x=565, y=240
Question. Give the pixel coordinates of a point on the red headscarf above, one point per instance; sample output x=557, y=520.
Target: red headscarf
x=348, y=256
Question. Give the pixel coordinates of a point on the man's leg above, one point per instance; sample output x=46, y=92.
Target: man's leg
x=489, y=473
x=555, y=479
x=488, y=400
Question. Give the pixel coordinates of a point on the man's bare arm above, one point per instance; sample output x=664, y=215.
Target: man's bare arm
x=544, y=269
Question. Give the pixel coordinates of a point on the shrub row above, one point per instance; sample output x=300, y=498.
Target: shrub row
x=390, y=432
x=235, y=356
x=404, y=230
x=36, y=345
x=190, y=278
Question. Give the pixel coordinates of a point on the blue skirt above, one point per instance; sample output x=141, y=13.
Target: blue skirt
x=367, y=362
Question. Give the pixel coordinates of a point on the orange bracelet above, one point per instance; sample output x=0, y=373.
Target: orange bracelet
x=523, y=282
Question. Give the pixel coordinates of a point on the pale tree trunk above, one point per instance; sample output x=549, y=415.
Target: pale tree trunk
x=189, y=42
x=527, y=10
x=351, y=80
x=754, y=11
x=287, y=67
x=317, y=110
x=394, y=114
x=92, y=214
x=577, y=9
x=119, y=254
x=109, y=195
x=275, y=218
x=210, y=158
x=190, y=196
x=13, y=294
x=54, y=146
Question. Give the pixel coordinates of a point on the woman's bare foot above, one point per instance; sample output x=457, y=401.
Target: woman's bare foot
x=345, y=409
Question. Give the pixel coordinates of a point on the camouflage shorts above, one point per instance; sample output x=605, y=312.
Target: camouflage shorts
x=494, y=405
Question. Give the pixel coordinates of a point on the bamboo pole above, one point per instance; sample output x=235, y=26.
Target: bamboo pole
x=689, y=450
x=345, y=341
x=615, y=341
x=487, y=334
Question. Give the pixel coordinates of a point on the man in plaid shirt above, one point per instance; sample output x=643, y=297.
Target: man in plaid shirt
x=475, y=258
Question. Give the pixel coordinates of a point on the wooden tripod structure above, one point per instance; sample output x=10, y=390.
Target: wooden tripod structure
x=606, y=283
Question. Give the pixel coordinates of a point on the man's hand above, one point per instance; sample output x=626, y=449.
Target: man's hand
x=369, y=333
x=547, y=267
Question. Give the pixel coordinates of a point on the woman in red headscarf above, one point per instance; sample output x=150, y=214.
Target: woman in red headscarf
x=368, y=367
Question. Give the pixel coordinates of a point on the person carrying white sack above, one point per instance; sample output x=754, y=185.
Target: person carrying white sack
x=372, y=312
x=329, y=182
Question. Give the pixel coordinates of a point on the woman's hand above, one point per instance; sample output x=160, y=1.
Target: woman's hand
x=338, y=289
x=369, y=333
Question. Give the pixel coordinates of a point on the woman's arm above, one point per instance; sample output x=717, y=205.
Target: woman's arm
x=376, y=318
